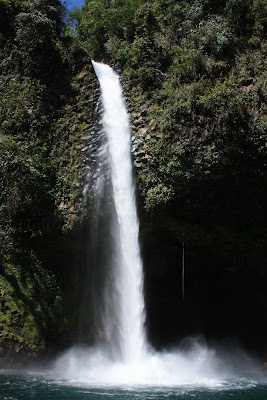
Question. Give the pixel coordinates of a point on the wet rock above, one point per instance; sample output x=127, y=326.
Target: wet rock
x=138, y=164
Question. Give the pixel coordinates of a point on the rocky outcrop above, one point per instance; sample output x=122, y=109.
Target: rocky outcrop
x=144, y=128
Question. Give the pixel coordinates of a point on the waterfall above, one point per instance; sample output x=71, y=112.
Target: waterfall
x=125, y=357
x=124, y=304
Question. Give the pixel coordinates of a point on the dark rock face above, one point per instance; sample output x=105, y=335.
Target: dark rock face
x=143, y=129
x=224, y=263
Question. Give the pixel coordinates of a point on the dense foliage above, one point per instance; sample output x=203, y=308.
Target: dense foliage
x=195, y=75
x=42, y=75
x=201, y=67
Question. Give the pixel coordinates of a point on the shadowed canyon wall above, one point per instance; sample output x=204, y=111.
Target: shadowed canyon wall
x=194, y=75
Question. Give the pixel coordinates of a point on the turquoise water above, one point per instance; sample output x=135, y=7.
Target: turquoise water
x=43, y=386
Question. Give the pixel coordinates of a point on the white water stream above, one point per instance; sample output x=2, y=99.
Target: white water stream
x=126, y=358
x=127, y=338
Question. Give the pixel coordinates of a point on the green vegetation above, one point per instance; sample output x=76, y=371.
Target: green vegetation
x=45, y=85
x=31, y=305
x=202, y=65
x=195, y=74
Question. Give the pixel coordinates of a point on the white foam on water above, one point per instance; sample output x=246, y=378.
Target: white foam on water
x=200, y=366
x=157, y=369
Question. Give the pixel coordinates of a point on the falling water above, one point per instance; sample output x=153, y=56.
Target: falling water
x=125, y=358
x=125, y=303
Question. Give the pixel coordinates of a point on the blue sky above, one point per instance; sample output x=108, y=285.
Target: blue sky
x=74, y=3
